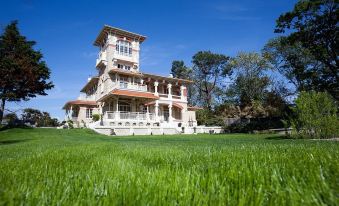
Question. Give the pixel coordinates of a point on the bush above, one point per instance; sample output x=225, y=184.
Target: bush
x=208, y=118
x=315, y=116
x=95, y=117
x=70, y=124
x=256, y=124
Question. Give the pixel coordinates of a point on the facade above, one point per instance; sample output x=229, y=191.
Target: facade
x=128, y=100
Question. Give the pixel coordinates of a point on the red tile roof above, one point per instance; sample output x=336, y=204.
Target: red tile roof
x=128, y=93
x=80, y=102
x=194, y=108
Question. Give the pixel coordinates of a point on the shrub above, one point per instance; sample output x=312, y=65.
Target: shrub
x=256, y=124
x=315, y=116
x=208, y=118
x=95, y=117
x=70, y=124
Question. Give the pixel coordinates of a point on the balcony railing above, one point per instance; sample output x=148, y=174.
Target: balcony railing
x=101, y=58
x=138, y=87
x=136, y=116
x=86, y=97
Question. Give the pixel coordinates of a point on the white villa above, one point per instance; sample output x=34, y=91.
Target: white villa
x=129, y=101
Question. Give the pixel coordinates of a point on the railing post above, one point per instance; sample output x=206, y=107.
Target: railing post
x=156, y=88
x=169, y=87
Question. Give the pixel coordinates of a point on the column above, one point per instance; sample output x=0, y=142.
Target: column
x=117, y=115
x=156, y=84
x=129, y=82
x=147, y=113
x=169, y=87
x=170, y=118
x=182, y=114
x=66, y=114
x=156, y=110
x=182, y=92
x=71, y=113
x=101, y=112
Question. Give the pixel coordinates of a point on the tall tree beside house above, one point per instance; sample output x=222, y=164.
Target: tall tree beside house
x=313, y=25
x=294, y=62
x=181, y=71
x=208, y=71
x=23, y=72
x=250, y=81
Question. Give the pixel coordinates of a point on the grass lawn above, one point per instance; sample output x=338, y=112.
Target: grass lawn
x=67, y=167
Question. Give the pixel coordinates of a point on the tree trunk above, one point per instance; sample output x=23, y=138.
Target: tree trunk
x=2, y=109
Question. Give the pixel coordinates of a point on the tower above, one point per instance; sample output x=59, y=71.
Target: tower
x=118, y=49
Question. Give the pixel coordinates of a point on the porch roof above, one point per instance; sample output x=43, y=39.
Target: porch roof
x=129, y=93
x=159, y=77
x=173, y=104
x=79, y=102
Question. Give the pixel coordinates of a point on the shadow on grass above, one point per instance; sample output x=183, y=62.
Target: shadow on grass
x=14, y=126
x=278, y=137
x=13, y=141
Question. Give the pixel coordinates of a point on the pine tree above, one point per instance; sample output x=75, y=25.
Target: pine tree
x=23, y=73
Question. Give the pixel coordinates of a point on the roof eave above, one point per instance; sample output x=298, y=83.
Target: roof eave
x=106, y=27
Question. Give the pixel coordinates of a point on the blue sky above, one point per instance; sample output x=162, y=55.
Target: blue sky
x=175, y=30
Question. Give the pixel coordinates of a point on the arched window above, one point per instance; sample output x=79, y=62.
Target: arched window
x=124, y=48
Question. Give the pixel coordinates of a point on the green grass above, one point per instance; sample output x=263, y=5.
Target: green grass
x=67, y=167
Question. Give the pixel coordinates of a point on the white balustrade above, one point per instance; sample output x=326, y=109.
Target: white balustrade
x=101, y=57
x=138, y=87
x=86, y=97
x=137, y=116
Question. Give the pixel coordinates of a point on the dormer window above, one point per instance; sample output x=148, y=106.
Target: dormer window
x=124, y=48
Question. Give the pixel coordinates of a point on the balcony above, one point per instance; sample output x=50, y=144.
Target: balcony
x=86, y=97
x=133, y=116
x=137, y=87
x=101, y=60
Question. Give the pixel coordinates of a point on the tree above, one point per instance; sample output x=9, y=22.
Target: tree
x=251, y=83
x=23, y=72
x=181, y=71
x=38, y=118
x=208, y=69
x=313, y=25
x=11, y=118
x=298, y=65
x=32, y=116
x=315, y=115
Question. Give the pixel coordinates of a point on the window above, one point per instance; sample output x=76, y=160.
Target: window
x=123, y=82
x=125, y=67
x=89, y=113
x=124, y=48
x=124, y=107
